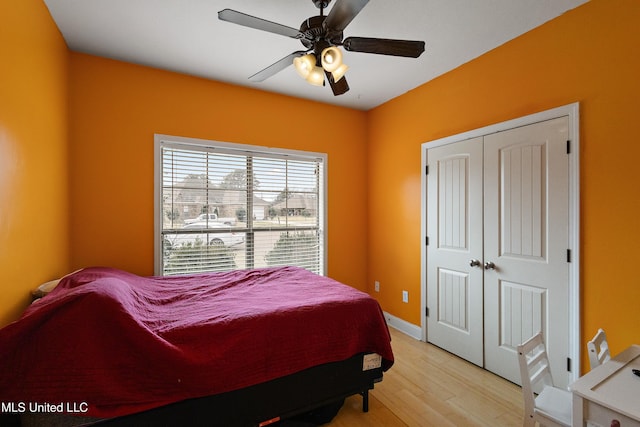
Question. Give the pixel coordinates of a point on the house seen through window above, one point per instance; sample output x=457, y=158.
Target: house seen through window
x=222, y=206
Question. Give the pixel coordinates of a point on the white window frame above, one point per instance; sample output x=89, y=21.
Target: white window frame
x=160, y=140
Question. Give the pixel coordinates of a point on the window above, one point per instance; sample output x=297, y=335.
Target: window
x=221, y=206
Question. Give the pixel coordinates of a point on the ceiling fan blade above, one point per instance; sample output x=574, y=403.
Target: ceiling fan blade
x=343, y=12
x=339, y=87
x=240, y=18
x=276, y=67
x=408, y=48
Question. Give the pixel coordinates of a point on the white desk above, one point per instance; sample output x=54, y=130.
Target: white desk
x=609, y=392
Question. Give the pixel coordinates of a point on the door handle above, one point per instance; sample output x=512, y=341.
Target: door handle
x=489, y=266
x=474, y=263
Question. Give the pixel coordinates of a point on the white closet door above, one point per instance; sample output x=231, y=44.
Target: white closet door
x=526, y=226
x=454, y=211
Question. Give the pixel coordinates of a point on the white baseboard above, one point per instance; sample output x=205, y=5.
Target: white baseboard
x=410, y=329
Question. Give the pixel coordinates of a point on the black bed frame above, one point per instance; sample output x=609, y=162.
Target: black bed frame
x=266, y=403
x=259, y=405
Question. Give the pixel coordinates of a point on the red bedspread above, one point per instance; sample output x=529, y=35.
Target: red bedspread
x=120, y=343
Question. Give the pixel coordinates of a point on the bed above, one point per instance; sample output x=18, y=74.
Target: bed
x=109, y=345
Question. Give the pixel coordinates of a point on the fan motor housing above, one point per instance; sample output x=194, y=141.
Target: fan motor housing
x=314, y=31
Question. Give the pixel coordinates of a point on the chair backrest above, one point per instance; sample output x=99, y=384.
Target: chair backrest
x=598, y=349
x=535, y=371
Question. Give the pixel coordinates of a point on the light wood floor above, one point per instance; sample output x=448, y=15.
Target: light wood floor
x=427, y=386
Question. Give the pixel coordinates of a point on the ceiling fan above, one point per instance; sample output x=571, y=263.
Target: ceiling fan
x=321, y=35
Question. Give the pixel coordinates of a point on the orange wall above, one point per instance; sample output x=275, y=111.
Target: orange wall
x=117, y=107
x=113, y=110
x=588, y=55
x=33, y=153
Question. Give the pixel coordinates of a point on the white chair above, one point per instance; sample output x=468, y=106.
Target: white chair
x=598, y=349
x=543, y=403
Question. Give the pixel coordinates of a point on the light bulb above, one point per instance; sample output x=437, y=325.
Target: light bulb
x=316, y=76
x=331, y=58
x=339, y=72
x=304, y=64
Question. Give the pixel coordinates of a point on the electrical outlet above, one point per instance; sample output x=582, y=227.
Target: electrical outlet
x=405, y=296
x=376, y=286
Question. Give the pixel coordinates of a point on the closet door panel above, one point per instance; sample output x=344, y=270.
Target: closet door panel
x=454, y=211
x=525, y=238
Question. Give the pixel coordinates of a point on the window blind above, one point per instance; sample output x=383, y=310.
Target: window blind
x=226, y=207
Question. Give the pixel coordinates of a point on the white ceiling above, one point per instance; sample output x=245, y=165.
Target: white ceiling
x=186, y=36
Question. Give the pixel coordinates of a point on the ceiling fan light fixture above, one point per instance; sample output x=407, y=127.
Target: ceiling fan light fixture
x=339, y=72
x=323, y=35
x=316, y=76
x=331, y=58
x=304, y=64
